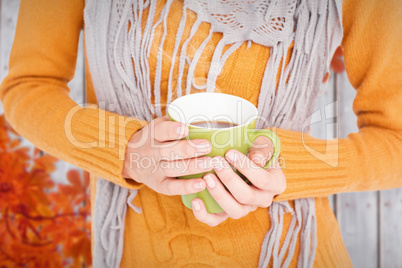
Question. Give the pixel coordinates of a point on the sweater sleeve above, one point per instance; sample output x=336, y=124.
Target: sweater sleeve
x=370, y=159
x=36, y=98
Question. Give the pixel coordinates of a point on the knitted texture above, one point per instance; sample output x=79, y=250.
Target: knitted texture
x=263, y=22
x=266, y=23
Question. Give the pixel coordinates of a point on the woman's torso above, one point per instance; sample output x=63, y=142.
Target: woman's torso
x=166, y=233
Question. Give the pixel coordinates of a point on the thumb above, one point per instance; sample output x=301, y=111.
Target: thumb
x=261, y=151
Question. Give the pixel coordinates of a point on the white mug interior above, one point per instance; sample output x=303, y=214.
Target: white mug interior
x=211, y=107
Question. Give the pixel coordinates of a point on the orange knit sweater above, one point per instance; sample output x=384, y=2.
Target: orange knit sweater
x=36, y=103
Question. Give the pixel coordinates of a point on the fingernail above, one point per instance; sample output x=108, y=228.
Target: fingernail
x=196, y=205
x=210, y=181
x=199, y=185
x=203, y=147
x=232, y=156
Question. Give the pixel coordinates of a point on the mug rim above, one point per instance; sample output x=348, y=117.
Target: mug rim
x=253, y=117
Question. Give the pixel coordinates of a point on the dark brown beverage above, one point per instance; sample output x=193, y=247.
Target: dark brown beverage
x=214, y=124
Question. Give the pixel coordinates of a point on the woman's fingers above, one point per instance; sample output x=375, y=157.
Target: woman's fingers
x=185, y=167
x=228, y=203
x=165, y=130
x=272, y=180
x=240, y=190
x=174, y=186
x=201, y=214
x=261, y=151
x=168, y=144
x=183, y=149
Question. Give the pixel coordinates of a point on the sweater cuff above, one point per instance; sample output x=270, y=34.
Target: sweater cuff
x=312, y=167
x=104, y=149
x=129, y=182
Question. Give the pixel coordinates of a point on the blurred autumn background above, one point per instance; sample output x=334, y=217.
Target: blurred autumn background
x=42, y=223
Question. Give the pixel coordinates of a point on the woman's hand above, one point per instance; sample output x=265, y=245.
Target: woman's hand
x=156, y=156
x=242, y=198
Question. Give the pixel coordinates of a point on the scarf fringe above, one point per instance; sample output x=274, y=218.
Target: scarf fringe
x=115, y=26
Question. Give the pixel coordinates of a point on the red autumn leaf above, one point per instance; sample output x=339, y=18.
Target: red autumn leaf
x=337, y=64
x=86, y=179
x=73, y=177
x=36, y=152
x=14, y=143
x=45, y=162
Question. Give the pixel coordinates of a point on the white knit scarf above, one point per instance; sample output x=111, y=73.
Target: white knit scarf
x=313, y=25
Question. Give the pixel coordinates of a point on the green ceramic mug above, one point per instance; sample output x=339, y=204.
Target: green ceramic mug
x=225, y=120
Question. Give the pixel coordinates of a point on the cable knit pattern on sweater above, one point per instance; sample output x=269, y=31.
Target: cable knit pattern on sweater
x=269, y=23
